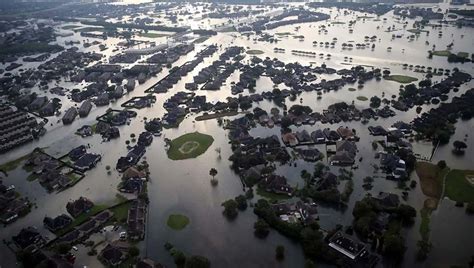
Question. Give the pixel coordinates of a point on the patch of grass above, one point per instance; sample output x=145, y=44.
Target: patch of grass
x=201, y=39
x=254, y=52
x=12, y=165
x=431, y=179
x=362, y=98
x=153, y=35
x=403, y=79
x=365, y=17
x=177, y=221
x=179, y=147
x=283, y=34
x=338, y=22
x=70, y=27
x=458, y=187
x=82, y=218
x=441, y=53
x=32, y=177
x=75, y=178
x=91, y=29
x=425, y=214
x=121, y=211
x=271, y=196
x=463, y=54
x=351, y=89
x=416, y=31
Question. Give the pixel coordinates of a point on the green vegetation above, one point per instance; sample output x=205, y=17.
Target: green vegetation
x=403, y=79
x=70, y=27
x=463, y=12
x=261, y=228
x=153, y=35
x=121, y=211
x=425, y=223
x=82, y=218
x=177, y=221
x=362, y=98
x=230, y=209
x=189, y=145
x=280, y=252
x=254, y=52
x=201, y=39
x=283, y=34
x=351, y=89
x=91, y=29
x=431, y=179
x=463, y=54
x=417, y=31
x=458, y=188
x=310, y=237
x=135, y=26
x=338, y=22
x=12, y=165
x=442, y=53
x=272, y=196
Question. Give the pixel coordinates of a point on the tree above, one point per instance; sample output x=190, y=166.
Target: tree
x=213, y=172
x=442, y=164
x=63, y=248
x=406, y=213
x=309, y=264
x=470, y=208
x=241, y=202
x=424, y=247
x=459, y=147
x=261, y=228
x=230, y=209
x=133, y=251
x=280, y=252
x=394, y=246
x=197, y=262
x=178, y=257
x=375, y=102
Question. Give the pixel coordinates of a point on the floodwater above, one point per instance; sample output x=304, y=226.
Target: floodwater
x=183, y=186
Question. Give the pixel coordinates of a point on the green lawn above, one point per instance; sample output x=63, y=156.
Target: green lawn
x=458, y=187
x=82, y=218
x=431, y=178
x=284, y=34
x=12, y=165
x=271, y=196
x=425, y=223
x=177, y=221
x=91, y=29
x=441, y=53
x=70, y=27
x=152, y=35
x=404, y=79
x=189, y=145
x=121, y=211
x=201, y=39
x=351, y=89
x=416, y=31
x=362, y=98
x=463, y=54
x=254, y=52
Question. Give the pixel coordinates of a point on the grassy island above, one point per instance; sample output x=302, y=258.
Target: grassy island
x=189, y=145
x=460, y=185
x=254, y=52
x=404, y=79
x=177, y=221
